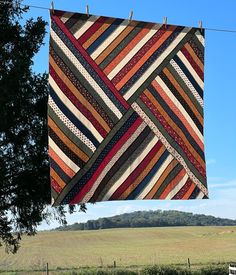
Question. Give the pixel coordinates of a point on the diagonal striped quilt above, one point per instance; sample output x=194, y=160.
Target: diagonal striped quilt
x=125, y=110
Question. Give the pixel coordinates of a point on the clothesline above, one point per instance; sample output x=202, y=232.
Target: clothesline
x=45, y=8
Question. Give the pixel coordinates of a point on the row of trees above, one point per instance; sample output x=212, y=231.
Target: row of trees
x=151, y=219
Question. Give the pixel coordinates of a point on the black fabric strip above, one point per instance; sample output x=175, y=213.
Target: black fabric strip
x=167, y=180
x=131, y=149
x=195, y=193
x=70, y=154
x=176, y=120
x=181, y=100
x=59, y=171
x=74, y=19
x=122, y=45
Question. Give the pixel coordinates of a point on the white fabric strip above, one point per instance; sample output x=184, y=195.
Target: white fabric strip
x=200, y=38
x=63, y=157
x=154, y=179
x=70, y=125
x=136, y=48
x=85, y=27
x=174, y=191
x=187, y=82
x=113, y=161
x=66, y=16
x=172, y=151
x=109, y=39
x=86, y=75
x=75, y=110
x=159, y=60
x=131, y=168
x=65, y=171
x=200, y=195
x=179, y=107
x=190, y=68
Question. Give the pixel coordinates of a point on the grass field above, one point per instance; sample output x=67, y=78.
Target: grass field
x=128, y=247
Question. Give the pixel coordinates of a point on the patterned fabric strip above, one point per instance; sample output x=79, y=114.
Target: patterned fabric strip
x=125, y=110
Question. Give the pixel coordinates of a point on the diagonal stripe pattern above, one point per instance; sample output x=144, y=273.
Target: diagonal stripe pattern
x=125, y=110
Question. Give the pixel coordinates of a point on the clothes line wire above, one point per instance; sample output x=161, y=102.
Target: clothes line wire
x=220, y=30
x=45, y=8
x=23, y=5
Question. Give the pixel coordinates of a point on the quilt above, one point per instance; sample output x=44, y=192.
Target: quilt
x=125, y=110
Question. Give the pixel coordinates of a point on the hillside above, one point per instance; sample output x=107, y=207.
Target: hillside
x=129, y=247
x=157, y=218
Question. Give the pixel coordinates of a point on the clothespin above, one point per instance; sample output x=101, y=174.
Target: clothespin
x=200, y=25
x=87, y=10
x=165, y=21
x=52, y=8
x=131, y=16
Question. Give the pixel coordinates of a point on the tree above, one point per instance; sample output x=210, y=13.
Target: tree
x=24, y=165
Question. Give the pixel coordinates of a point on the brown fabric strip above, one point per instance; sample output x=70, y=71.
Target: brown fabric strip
x=79, y=96
x=115, y=43
x=143, y=174
x=159, y=182
x=183, y=94
x=67, y=141
x=174, y=126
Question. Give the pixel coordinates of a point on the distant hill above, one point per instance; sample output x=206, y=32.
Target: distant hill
x=156, y=218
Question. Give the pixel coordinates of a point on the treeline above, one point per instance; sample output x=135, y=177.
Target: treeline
x=157, y=218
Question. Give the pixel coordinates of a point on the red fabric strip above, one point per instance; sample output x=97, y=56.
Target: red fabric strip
x=171, y=185
x=55, y=185
x=132, y=43
x=172, y=133
x=123, y=187
x=76, y=102
x=151, y=42
x=193, y=63
x=91, y=62
x=183, y=190
x=57, y=13
x=107, y=159
x=97, y=24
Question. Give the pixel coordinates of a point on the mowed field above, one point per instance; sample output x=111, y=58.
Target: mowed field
x=133, y=246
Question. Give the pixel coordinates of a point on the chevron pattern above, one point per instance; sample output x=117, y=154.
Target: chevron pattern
x=125, y=110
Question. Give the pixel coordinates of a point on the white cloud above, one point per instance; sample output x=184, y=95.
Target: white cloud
x=140, y=205
x=210, y=161
x=99, y=206
x=222, y=203
x=231, y=183
x=214, y=179
x=127, y=208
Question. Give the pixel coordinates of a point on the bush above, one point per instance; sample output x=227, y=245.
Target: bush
x=165, y=270
x=214, y=270
x=152, y=270
x=102, y=272
x=124, y=272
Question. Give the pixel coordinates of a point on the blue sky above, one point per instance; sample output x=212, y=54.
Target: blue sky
x=220, y=94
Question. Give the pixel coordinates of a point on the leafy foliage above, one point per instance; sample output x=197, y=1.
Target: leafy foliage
x=165, y=270
x=24, y=165
x=151, y=270
x=150, y=219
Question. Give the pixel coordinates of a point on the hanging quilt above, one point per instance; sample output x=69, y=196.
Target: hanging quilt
x=125, y=110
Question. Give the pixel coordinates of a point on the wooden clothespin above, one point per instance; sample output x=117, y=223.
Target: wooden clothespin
x=131, y=16
x=200, y=25
x=52, y=8
x=87, y=10
x=165, y=21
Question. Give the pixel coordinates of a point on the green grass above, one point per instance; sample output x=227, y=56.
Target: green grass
x=128, y=247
